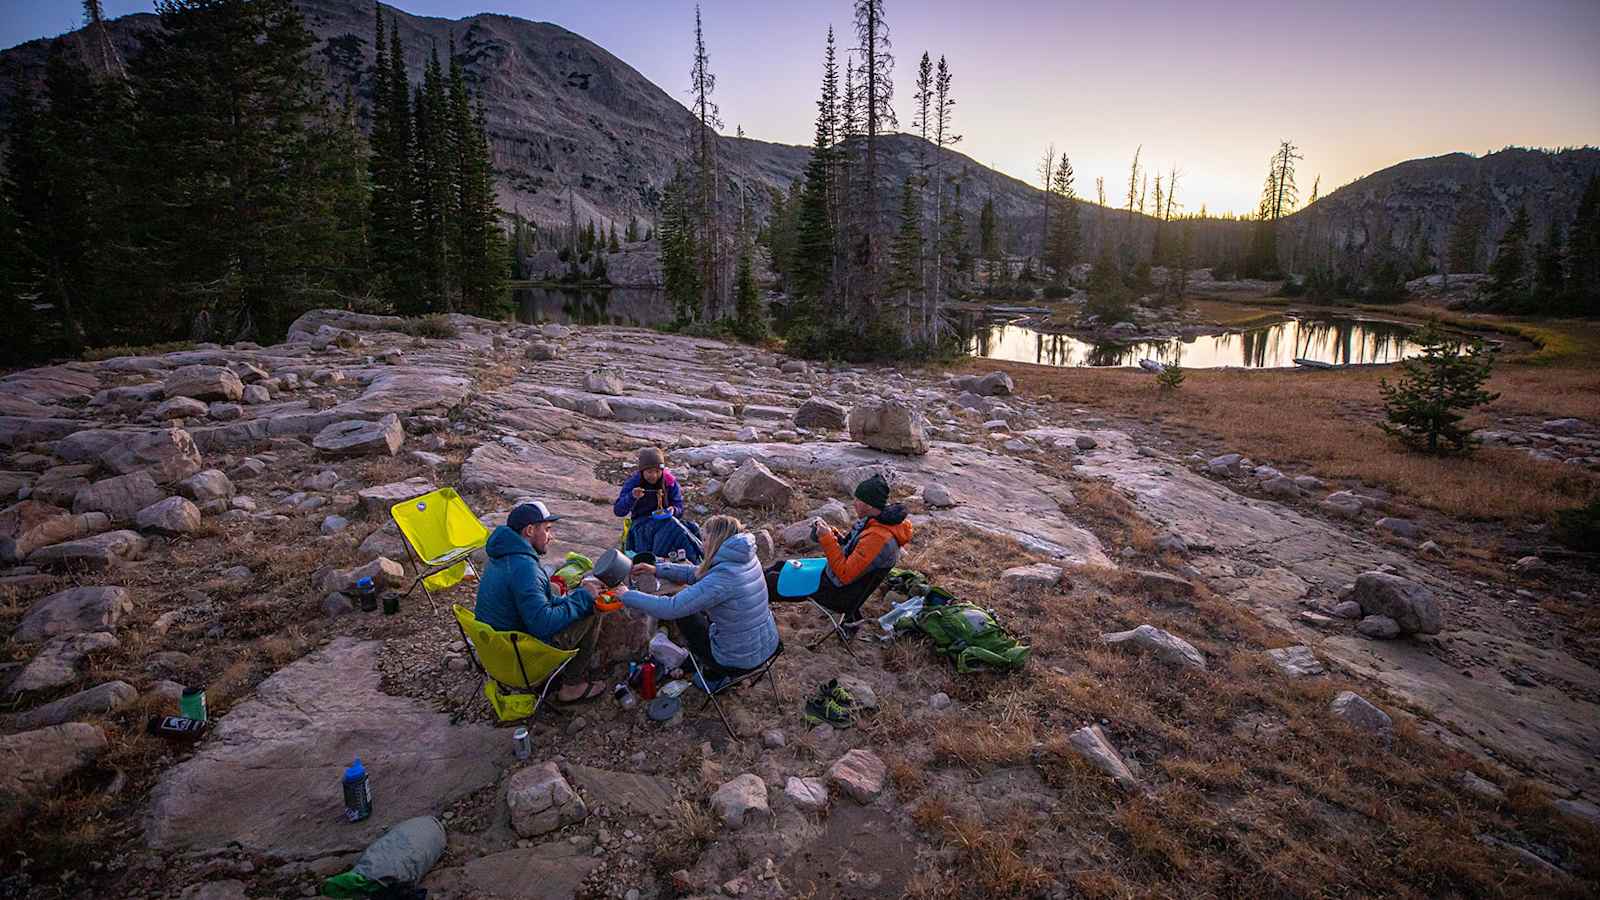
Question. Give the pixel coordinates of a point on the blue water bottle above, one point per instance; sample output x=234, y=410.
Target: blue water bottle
x=357, y=792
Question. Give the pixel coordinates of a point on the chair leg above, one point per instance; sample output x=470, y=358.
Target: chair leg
x=836, y=625
x=712, y=698
x=773, y=681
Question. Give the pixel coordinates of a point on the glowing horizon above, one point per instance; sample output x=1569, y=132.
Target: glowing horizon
x=1210, y=88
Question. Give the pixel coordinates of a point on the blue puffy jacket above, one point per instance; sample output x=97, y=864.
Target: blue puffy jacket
x=514, y=593
x=732, y=594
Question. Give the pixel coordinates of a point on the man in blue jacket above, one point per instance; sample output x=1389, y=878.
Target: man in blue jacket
x=514, y=594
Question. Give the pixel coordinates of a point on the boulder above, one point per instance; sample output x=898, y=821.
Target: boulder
x=1296, y=662
x=859, y=773
x=37, y=761
x=96, y=701
x=1163, y=645
x=834, y=513
x=1037, y=577
x=818, y=412
x=59, y=484
x=604, y=380
x=1354, y=709
x=1281, y=487
x=1380, y=628
x=1562, y=426
x=539, y=351
x=740, y=801
x=203, y=487
x=20, y=431
x=265, y=783
x=1162, y=585
x=1091, y=743
x=1413, y=607
x=360, y=438
x=1343, y=508
x=889, y=425
x=541, y=801
x=174, y=515
x=256, y=395
x=1226, y=464
x=203, y=383
x=377, y=500
x=807, y=794
x=167, y=454
x=120, y=497
x=1401, y=528
x=56, y=663
x=994, y=384
x=937, y=496
x=27, y=526
x=1085, y=442
x=225, y=412
x=1347, y=609
x=181, y=408
x=74, y=611
x=753, y=484
x=384, y=572
x=96, y=553
x=646, y=795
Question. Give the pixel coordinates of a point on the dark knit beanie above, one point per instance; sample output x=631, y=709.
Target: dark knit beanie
x=874, y=492
x=651, y=458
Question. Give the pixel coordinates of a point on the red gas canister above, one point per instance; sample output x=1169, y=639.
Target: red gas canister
x=647, y=681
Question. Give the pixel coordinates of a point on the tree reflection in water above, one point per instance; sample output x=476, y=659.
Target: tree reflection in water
x=1277, y=345
x=635, y=307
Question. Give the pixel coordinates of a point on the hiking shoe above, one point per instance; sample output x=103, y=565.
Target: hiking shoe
x=822, y=711
x=835, y=692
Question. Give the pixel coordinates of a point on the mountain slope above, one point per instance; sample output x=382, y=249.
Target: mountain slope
x=1419, y=202
x=567, y=118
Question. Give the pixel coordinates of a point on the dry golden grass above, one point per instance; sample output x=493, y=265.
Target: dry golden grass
x=1251, y=787
x=1327, y=421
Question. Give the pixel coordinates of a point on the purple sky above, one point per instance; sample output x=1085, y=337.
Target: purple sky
x=1210, y=87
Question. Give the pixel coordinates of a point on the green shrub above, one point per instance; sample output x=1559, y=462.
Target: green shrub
x=1579, y=527
x=1170, y=378
x=434, y=326
x=1426, y=406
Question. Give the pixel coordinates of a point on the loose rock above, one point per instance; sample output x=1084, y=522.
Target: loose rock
x=541, y=801
x=755, y=485
x=740, y=801
x=75, y=611
x=1354, y=709
x=358, y=438
x=1091, y=743
x=1165, y=646
x=174, y=515
x=860, y=774
x=1413, y=607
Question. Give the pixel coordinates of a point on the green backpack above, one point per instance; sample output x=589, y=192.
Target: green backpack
x=970, y=635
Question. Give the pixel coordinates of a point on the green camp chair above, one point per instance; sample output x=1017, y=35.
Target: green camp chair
x=512, y=665
x=441, y=532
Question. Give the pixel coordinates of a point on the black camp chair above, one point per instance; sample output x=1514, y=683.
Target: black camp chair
x=843, y=605
x=734, y=680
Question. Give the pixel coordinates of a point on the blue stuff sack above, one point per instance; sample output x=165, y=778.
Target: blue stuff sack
x=801, y=577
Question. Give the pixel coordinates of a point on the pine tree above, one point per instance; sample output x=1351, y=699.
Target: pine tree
x=989, y=236
x=1062, y=252
x=680, y=268
x=1508, y=273
x=22, y=186
x=482, y=264
x=631, y=234
x=1425, y=407
x=943, y=136
x=611, y=242
x=812, y=268
x=702, y=83
x=749, y=319
x=1549, y=270
x=1583, y=253
x=877, y=110
x=1466, y=236
x=905, y=280
x=227, y=101
x=392, y=228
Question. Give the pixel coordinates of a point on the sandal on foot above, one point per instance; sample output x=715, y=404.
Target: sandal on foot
x=592, y=690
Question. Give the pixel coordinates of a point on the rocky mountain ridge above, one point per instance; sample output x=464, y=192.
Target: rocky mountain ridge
x=570, y=123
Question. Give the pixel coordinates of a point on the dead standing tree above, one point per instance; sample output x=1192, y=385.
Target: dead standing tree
x=708, y=119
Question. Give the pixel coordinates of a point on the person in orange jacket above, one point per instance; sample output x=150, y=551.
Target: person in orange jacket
x=858, y=560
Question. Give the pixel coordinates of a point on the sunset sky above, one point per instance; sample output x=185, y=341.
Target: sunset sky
x=1210, y=87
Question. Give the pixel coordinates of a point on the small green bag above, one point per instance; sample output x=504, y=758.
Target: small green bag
x=970, y=635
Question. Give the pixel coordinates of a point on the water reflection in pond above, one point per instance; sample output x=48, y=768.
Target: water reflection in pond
x=1278, y=345
x=638, y=307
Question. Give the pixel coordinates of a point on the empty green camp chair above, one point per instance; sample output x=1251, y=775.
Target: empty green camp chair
x=512, y=664
x=441, y=533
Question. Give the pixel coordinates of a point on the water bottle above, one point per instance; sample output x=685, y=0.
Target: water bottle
x=367, y=593
x=357, y=792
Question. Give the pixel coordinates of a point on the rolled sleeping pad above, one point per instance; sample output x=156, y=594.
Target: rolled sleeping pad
x=405, y=853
